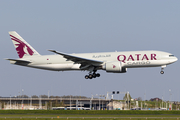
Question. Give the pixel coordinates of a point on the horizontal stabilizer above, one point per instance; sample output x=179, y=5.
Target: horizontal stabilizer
x=22, y=61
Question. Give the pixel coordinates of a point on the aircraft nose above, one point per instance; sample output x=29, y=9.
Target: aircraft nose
x=172, y=60
x=176, y=59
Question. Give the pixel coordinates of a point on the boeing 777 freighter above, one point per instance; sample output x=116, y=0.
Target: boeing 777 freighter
x=114, y=62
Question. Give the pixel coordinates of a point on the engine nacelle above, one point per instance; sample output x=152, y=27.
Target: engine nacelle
x=114, y=67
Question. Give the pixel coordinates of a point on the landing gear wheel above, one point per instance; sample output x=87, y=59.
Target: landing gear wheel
x=94, y=75
x=162, y=72
x=86, y=77
x=97, y=75
x=90, y=76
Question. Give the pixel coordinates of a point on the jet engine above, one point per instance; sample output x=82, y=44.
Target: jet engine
x=114, y=67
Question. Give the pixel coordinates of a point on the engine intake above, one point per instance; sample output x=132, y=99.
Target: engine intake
x=114, y=67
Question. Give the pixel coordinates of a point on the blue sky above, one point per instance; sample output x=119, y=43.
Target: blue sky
x=85, y=27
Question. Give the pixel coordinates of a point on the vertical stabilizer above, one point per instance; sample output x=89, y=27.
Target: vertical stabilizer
x=22, y=47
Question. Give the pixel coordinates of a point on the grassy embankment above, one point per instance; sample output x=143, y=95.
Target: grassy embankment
x=88, y=115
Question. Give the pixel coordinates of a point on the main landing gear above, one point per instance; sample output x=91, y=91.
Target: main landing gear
x=94, y=75
x=162, y=68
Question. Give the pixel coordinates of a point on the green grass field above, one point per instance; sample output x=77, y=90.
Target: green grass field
x=87, y=115
x=90, y=117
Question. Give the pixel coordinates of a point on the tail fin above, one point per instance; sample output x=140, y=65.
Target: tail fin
x=22, y=47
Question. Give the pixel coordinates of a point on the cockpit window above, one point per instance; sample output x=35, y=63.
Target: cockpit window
x=171, y=55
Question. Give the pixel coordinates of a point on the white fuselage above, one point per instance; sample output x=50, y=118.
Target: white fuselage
x=129, y=59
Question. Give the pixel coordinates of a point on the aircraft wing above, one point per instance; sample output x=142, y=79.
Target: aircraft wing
x=80, y=60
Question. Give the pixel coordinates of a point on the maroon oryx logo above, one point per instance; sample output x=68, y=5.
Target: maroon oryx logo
x=21, y=46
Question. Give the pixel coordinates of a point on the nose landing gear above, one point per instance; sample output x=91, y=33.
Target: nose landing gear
x=162, y=72
x=162, y=68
